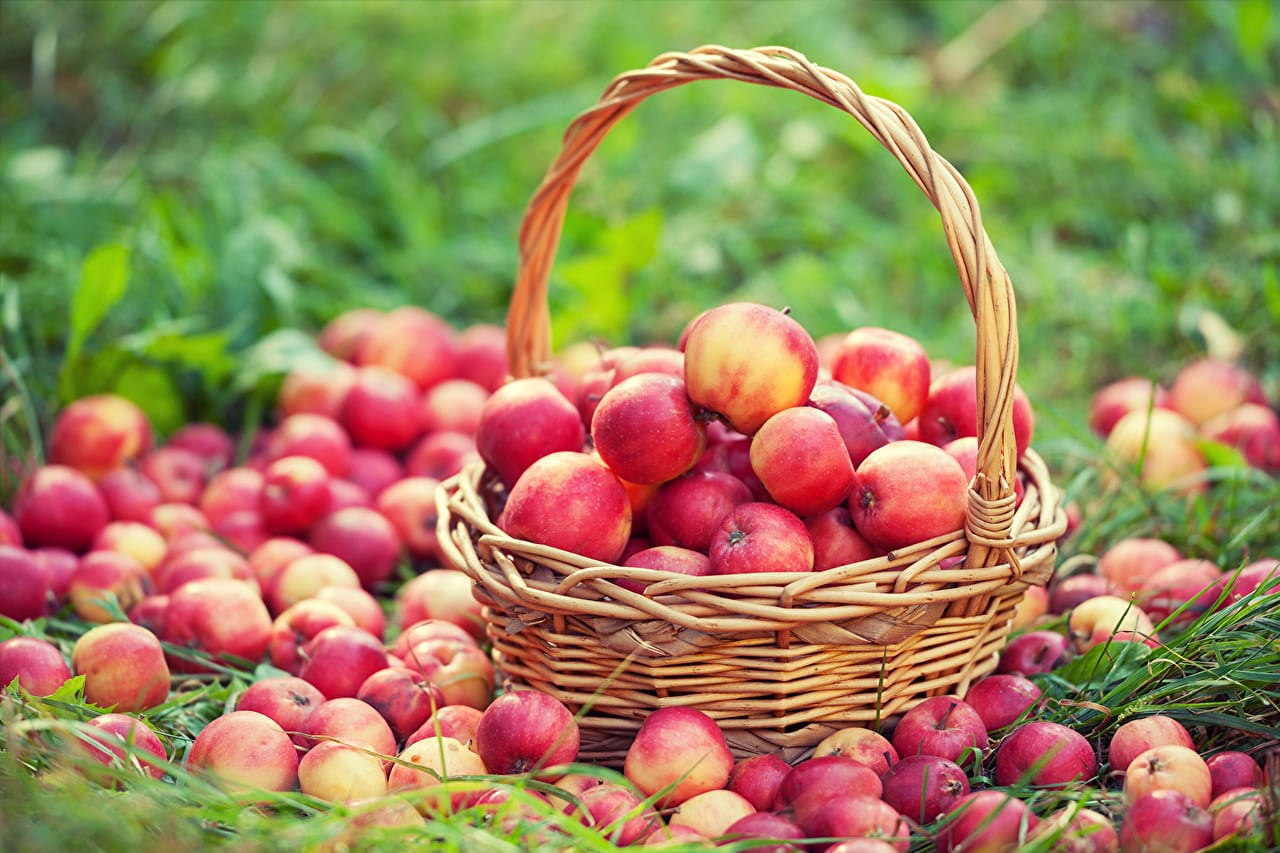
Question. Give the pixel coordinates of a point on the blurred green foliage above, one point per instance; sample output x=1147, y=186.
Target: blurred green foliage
x=179, y=179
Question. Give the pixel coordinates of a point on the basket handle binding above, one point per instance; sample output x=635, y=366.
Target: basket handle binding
x=985, y=281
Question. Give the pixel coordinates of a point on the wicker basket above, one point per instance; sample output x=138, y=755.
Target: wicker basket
x=779, y=660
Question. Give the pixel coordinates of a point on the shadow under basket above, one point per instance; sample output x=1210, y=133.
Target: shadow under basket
x=780, y=660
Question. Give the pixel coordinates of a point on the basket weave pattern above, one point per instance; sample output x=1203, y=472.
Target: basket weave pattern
x=780, y=660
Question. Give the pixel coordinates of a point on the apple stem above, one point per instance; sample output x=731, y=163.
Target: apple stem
x=942, y=721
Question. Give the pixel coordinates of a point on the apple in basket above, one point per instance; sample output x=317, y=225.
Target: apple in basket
x=747, y=362
x=570, y=501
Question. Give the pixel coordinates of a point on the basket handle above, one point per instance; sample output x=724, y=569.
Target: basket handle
x=986, y=284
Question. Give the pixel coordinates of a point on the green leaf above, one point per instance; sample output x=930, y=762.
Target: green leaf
x=104, y=276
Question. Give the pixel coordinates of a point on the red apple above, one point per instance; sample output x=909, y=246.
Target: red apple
x=907, y=492
x=761, y=537
x=922, y=787
x=865, y=746
x=99, y=433
x=889, y=365
x=746, y=383
x=687, y=510
x=296, y=493
x=59, y=506
x=645, y=429
x=951, y=410
x=1165, y=820
x=524, y=421
x=414, y=343
x=318, y=437
x=402, y=696
x=525, y=731
x=944, y=726
x=286, y=699
x=758, y=778
x=37, y=664
x=678, y=752
x=569, y=501
x=25, y=591
x=1136, y=736
x=1169, y=766
x=123, y=666
x=245, y=752
x=990, y=820
x=1116, y=399
x=381, y=409
x=801, y=460
x=1044, y=754
x=1208, y=387
x=339, y=659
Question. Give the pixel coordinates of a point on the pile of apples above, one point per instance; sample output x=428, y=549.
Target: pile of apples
x=1168, y=429
x=745, y=448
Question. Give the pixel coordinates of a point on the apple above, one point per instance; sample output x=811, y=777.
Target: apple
x=339, y=773
x=1034, y=652
x=296, y=625
x=453, y=404
x=1067, y=593
x=523, y=421
x=617, y=813
x=381, y=409
x=889, y=365
x=318, y=388
x=944, y=726
x=225, y=618
x=123, y=665
x=363, y=538
x=462, y=671
x=1163, y=444
x=482, y=355
x=1136, y=736
x=25, y=591
x=1044, y=754
x=1166, y=820
x=567, y=500
x=59, y=506
x=526, y=731
x=305, y=576
x=122, y=740
x=402, y=696
x=343, y=336
x=99, y=433
x=951, y=410
x=761, y=537
x=801, y=460
x=686, y=511
x=667, y=558
x=1116, y=399
x=1238, y=811
x=130, y=495
x=286, y=699
x=318, y=437
x=339, y=659
x=865, y=746
x=1100, y=619
x=441, y=455
x=374, y=469
x=245, y=751
x=37, y=664
x=814, y=782
x=1079, y=830
x=413, y=342
x=836, y=542
x=1169, y=766
x=360, y=605
x=1227, y=770
x=296, y=493
x=678, y=752
x=426, y=769
x=1207, y=387
x=459, y=722
x=774, y=831
x=409, y=505
x=908, y=492
x=861, y=816
x=645, y=429
x=103, y=578
x=1001, y=699
x=988, y=820
x=1251, y=428
x=711, y=813
x=757, y=778
x=347, y=720
x=922, y=787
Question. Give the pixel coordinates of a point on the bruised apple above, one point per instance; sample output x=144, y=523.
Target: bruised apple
x=747, y=362
x=907, y=492
x=567, y=500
